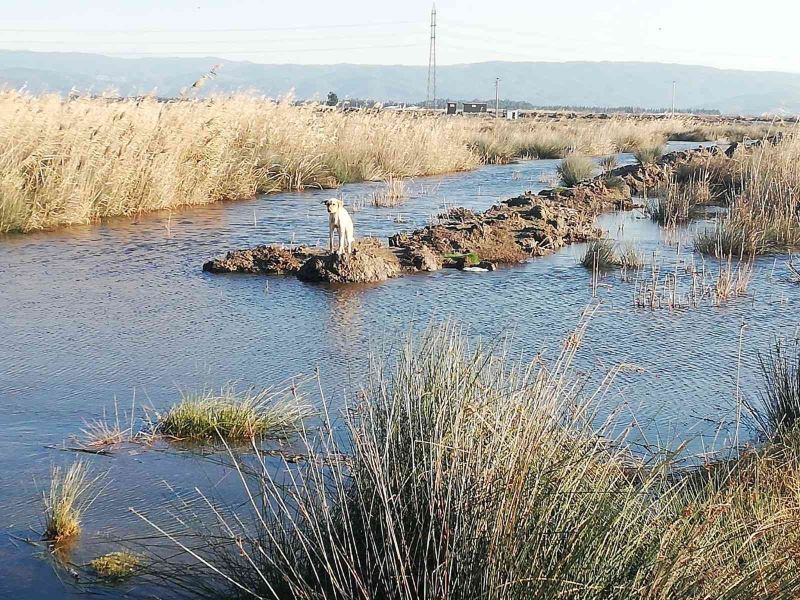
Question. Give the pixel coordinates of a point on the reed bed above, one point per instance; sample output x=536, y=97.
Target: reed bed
x=764, y=213
x=73, y=162
x=462, y=473
x=77, y=161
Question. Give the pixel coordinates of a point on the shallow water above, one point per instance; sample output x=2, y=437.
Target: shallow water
x=94, y=314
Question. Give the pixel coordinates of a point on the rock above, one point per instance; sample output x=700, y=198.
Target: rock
x=420, y=258
x=367, y=264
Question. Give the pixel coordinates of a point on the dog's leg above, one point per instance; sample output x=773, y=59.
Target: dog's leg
x=330, y=238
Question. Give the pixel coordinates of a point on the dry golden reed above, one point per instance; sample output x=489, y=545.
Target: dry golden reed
x=77, y=161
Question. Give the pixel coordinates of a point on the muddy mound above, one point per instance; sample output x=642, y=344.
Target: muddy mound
x=267, y=260
x=509, y=232
x=370, y=262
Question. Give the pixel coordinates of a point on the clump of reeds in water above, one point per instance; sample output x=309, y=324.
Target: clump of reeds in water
x=69, y=495
x=461, y=474
x=116, y=565
x=690, y=286
x=105, y=431
x=733, y=282
x=764, y=211
x=393, y=193
x=675, y=205
x=600, y=255
x=779, y=412
x=234, y=416
x=575, y=168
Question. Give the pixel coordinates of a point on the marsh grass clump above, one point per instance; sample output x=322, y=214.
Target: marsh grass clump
x=779, y=412
x=69, y=495
x=614, y=182
x=601, y=255
x=648, y=154
x=234, y=416
x=116, y=566
x=487, y=478
x=575, y=168
x=608, y=163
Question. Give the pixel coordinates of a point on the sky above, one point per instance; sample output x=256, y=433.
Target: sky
x=737, y=34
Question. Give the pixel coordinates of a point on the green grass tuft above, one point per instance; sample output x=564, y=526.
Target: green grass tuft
x=233, y=416
x=116, y=565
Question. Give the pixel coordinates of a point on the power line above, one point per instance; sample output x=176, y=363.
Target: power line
x=191, y=42
x=201, y=54
x=218, y=30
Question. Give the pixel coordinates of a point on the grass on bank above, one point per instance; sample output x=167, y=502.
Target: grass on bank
x=468, y=475
x=234, y=416
x=71, y=492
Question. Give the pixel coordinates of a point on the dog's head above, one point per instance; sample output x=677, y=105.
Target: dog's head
x=333, y=205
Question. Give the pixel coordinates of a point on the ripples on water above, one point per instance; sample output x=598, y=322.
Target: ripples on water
x=92, y=314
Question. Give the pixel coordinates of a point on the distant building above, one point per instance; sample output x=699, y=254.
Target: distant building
x=512, y=115
x=475, y=107
x=452, y=108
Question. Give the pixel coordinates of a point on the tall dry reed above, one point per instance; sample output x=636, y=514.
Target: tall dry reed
x=71, y=162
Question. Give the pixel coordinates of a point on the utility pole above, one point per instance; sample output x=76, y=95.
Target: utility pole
x=431, y=97
x=673, y=97
x=496, y=97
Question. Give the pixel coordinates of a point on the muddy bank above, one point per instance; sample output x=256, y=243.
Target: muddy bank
x=512, y=231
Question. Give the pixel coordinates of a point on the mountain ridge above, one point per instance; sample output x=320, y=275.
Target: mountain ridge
x=573, y=83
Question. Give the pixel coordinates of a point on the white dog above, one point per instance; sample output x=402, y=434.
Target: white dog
x=339, y=220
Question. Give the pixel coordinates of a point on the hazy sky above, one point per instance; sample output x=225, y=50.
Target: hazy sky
x=722, y=33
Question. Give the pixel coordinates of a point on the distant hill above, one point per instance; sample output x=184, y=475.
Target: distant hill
x=648, y=85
